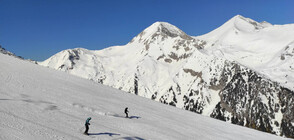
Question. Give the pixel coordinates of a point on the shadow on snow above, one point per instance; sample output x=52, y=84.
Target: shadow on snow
x=131, y=117
x=134, y=117
x=105, y=133
x=129, y=138
x=114, y=134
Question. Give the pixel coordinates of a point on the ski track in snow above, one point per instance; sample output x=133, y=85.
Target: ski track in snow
x=41, y=103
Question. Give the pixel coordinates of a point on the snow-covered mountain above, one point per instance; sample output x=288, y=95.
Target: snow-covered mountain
x=265, y=48
x=40, y=103
x=225, y=74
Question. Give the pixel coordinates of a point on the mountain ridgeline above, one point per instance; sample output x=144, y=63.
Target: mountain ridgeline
x=4, y=51
x=222, y=74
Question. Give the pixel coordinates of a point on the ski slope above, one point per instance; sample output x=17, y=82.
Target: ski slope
x=41, y=103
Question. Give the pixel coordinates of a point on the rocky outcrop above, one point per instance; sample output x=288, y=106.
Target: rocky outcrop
x=4, y=51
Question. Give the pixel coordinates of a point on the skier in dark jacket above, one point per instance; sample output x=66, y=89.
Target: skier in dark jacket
x=87, y=125
x=126, y=111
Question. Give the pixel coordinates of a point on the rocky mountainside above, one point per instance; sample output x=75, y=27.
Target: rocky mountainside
x=4, y=51
x=210, y=74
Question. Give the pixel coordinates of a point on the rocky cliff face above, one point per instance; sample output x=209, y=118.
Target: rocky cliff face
x=250, y=100
x=164, y=64
x=238, y=95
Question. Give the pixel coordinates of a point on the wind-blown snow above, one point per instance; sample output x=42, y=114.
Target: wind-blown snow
x=41, y=103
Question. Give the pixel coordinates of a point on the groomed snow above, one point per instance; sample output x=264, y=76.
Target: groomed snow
x=41, y=103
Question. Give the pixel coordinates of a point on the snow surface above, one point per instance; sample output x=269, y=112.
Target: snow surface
x=41, y=103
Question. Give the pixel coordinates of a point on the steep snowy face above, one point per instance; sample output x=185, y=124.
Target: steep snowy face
x=232, y=27
x=65, y=60
x=209, y=75
x=80, y=62
x=259, y=46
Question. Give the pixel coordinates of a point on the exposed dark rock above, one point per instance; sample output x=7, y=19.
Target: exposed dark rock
x=153, y=97
x=193, y=73
x=4, y=51
x=136, y=84
x=248, y=96
x=162, y=56
x=168, y=60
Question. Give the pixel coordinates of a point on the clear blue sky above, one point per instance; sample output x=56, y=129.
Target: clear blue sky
x=37, y=29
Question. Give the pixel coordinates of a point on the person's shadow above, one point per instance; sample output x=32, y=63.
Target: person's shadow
x=134, y=117
x=121, y=116
x=105, y=133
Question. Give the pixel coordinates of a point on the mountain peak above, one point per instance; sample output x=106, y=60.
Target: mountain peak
x=248, y=24
x=238, y=17
x=163, y=29
x=235, y=25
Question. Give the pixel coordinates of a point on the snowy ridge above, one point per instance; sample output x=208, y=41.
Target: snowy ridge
x=4, y=51
x=235, y=25
x=202, y=74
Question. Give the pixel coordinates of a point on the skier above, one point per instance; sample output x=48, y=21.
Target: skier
x=87, y=125
x=126, y=111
